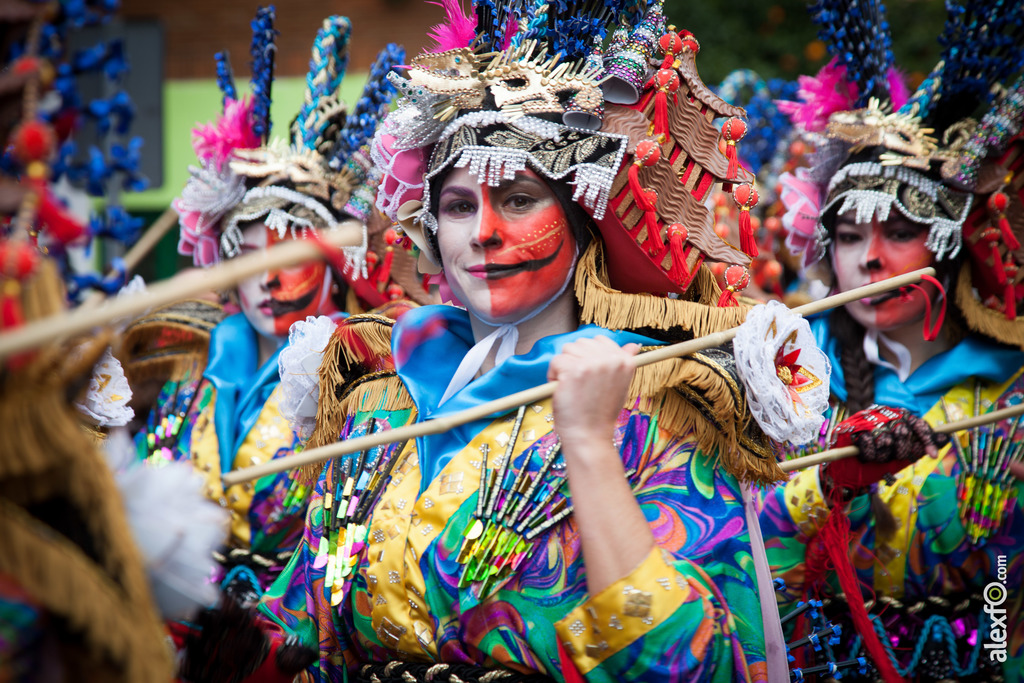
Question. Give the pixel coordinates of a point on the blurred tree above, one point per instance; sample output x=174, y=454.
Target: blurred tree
x=778, y=39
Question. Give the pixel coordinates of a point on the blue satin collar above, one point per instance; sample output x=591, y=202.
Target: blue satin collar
x=429, y=343
x=242, y=387
x=975, y=356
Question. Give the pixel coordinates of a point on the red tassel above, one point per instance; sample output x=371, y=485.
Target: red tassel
x=997, y=264
x=736, y=278
x=655, y=245
x=730, y=154
x=383, y=273
x=677, y=235
x=835, y=535
x=747, y=242
x=661, y=112
x=1010, y=306
x=11, y=313
x=1008, y=236
x=639, y=193
x=733, y=131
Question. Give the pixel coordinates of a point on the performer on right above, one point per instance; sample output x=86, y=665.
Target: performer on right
x=914, y=546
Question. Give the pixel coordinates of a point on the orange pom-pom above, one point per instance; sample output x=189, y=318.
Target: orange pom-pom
x=648, y=152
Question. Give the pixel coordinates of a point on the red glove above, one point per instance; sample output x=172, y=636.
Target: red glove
x=889, y=439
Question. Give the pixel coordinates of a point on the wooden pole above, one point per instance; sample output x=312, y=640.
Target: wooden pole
x=145, y=244
x=182, y=286
x=538, y=393
x=948, y=428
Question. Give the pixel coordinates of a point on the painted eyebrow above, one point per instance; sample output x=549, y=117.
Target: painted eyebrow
x=506, y=183
x=459, y=191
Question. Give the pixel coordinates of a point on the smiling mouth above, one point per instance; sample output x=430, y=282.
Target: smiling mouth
x=499, y=271
x=277, y=307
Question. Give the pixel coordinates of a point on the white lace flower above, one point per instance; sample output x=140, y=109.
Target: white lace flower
x=299, y=365
x=785, y=374
x=106, y=400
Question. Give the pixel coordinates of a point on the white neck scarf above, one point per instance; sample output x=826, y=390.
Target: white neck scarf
x=902, y=367
x=506, y=336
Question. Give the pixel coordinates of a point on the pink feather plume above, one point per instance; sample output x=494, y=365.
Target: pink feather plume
x=821, y=96
x=899, y=93
x=511, y=28
x=829, y=91
x=233, y=130
x=458, y=30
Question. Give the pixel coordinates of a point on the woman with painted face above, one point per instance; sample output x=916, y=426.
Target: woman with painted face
x=601, y=534
x=901, y=541
x=250, y=195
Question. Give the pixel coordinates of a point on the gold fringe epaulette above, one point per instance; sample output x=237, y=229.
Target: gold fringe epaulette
x=982, y=319
x=64, y=538
x=683, y=319
x=698, y=394
x=357, y=374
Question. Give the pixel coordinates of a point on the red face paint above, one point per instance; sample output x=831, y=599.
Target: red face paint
x=506, y=250
x=865, y=253
x=273, y=300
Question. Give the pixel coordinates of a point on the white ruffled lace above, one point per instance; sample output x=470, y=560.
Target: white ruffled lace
x=299, y=365
x=106, y=400
x=786, y=409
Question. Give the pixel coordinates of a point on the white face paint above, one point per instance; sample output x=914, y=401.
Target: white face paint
x=253, y=294
x=863, y=253
x=506, y=250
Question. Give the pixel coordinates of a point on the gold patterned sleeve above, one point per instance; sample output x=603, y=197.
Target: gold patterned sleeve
x=668, y=617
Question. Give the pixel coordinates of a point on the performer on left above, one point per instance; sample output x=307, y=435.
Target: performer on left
x=76, y=599
x=249, y=194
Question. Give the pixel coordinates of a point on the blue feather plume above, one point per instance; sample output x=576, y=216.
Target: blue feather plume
x=262, y=52
x=372, y=105
x=983, y=44
x=575, y=27
x=857, y=32
x=225, y=77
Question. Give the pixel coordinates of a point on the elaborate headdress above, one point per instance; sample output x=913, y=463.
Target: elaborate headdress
x=920, y=154
x=631, y=130
x=516, y=86
x=321, y=177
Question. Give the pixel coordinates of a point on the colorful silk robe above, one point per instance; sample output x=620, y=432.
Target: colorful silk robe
x=688, y=611
x=232, y=420
x=930, y=553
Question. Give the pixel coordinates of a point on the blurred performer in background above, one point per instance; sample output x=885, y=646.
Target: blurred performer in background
x=903, y=541
x=247, y=195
